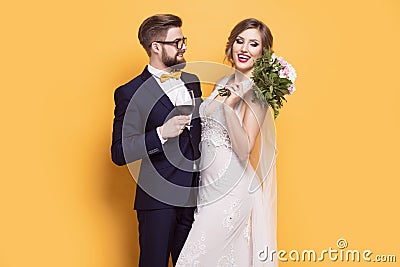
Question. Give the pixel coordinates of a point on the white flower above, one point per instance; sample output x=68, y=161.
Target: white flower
x=291, y=72
x=292, y=75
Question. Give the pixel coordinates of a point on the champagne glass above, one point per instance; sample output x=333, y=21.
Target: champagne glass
x=184, y=103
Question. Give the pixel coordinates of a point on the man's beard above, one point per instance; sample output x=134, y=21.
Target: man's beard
x=173, y=61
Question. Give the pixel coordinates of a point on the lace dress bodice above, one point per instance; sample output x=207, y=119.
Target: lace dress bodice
x=213, y=124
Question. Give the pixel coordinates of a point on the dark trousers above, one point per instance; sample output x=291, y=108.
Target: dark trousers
x=161, y=233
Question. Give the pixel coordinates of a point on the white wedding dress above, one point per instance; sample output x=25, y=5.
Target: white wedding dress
x=236, y=215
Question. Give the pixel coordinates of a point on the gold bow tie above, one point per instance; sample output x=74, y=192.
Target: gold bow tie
x=175, y=74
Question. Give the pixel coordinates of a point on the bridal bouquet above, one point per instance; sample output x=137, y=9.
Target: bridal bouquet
x=273, y=78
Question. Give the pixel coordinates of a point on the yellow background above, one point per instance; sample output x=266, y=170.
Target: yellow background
x=62, y=201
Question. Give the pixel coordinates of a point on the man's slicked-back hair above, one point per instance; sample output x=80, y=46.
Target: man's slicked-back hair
x=155, y=28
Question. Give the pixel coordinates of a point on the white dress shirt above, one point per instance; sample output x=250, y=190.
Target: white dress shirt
x=171, y=88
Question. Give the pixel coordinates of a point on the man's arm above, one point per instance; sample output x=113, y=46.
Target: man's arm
x=130, y=141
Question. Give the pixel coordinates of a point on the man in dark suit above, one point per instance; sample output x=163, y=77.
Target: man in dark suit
x=147, y=127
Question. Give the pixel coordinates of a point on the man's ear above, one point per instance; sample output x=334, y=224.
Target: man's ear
x=155, y=48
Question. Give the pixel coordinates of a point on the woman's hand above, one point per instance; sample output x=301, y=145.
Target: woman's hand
x=237, y=92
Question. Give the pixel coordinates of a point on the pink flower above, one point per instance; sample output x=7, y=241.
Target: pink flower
x=286, y=71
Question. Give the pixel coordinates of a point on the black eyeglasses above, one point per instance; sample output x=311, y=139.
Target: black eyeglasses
x=178, y=42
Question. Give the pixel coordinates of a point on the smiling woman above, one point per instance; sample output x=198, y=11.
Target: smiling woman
x=258, y=33
x=246, y=49
x=237, y=205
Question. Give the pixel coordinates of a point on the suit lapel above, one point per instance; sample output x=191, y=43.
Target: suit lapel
x=154, y=88
x=189, y=83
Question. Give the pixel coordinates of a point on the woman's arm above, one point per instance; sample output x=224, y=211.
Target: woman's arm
x=243, y=136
